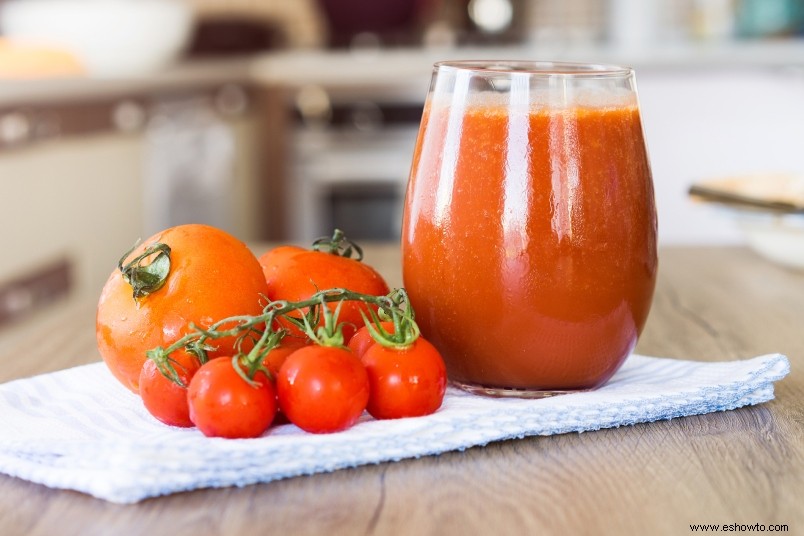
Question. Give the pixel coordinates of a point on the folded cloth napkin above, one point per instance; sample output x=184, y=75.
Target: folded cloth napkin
x=80, y=429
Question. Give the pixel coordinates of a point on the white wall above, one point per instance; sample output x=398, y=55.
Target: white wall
x=707, y=123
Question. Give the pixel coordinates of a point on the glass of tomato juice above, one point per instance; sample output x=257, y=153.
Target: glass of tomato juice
x=529, y=228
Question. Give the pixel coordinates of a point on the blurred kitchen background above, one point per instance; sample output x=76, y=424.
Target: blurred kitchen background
x=281, y=119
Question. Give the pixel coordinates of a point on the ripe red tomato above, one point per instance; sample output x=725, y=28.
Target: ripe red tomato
x=322, y=389
x=163, y=398
x=223, y=404
x=276, y=357
x=273, y=260
x=295, y=274
x=212, y=276
x=408, y=382
x=362, y=339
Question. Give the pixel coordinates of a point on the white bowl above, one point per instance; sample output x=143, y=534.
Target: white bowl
x=768, y=208
x=777, y=237
x=113, y=38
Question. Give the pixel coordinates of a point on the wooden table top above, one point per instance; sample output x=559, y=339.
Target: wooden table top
x=739, y=467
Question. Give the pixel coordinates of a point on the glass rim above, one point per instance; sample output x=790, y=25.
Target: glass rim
x=537, y=68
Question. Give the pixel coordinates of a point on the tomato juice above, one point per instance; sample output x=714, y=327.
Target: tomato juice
x=529, y=240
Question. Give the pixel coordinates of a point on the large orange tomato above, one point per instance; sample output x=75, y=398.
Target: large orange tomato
x=295, y=274
x=209, y=275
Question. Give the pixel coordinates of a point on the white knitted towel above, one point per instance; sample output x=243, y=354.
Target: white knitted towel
x=80, y=429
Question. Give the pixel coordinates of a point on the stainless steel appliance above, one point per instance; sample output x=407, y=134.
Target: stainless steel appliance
x=351, y=157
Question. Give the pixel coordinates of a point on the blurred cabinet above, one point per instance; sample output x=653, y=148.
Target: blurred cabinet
x=77, y=200
x=84, y=179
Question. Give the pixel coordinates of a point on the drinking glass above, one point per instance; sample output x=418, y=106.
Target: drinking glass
x=529, y=228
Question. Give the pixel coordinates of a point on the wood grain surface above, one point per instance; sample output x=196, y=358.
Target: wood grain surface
x=744, y=466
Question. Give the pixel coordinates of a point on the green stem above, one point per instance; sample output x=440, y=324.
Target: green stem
x=148, y=278
x=167, y=366
x=339, y=245
x=391, y=305
x=406, y=331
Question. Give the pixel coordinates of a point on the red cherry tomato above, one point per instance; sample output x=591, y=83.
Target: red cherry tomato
x=223, y=404
x=408, y=382
x=273, y=261
x=295, y=274
x=276, y=357
x=362, y=339
x=322, y=389
x=163, y=398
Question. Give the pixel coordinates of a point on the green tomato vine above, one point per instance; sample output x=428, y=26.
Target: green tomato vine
x=265, y=333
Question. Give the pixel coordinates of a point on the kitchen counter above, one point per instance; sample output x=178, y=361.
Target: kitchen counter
x=744, y=466
x=193, y=74
x=406, y=69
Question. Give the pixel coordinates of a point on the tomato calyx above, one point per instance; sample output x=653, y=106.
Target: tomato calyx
x=167, y=365
x=147, y=278
x=331, y=332
x=248, y=369
x=405, y=331
x=338, y=245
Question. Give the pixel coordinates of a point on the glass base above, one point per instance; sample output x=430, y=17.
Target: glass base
x=505, y=392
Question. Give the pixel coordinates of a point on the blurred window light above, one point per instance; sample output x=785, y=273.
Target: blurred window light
x=491, y=16
x=15, y=127
x=313, y=104
x=128, y=116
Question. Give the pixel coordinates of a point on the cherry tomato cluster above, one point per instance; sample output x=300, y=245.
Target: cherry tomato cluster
x=316, y=358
